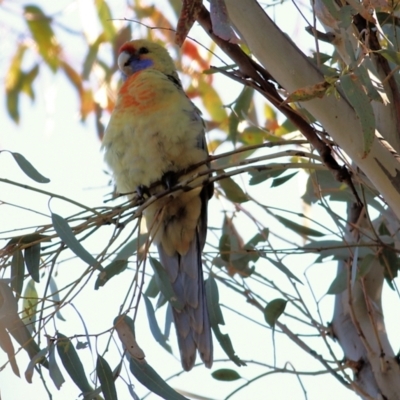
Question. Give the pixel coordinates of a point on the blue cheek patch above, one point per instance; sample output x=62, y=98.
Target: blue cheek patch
x=138, y=65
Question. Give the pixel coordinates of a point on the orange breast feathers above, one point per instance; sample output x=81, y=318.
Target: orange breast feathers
x=153, y=129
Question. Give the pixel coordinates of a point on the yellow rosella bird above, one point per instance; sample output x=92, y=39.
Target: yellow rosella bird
x=154, y=135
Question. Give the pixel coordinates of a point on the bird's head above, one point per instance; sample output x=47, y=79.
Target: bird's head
x=137, y=55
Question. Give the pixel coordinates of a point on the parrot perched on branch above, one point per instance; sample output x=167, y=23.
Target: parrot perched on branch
x=154, y=135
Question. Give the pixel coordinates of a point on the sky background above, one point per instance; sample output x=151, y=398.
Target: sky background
x=52, y=137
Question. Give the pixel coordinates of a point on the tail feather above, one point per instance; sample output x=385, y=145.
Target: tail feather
x=192, y=322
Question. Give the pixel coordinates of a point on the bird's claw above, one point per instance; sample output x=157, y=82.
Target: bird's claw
x=142, y=190
x=169, y=179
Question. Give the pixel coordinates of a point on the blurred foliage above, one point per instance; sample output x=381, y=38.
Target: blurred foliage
x=240, y=129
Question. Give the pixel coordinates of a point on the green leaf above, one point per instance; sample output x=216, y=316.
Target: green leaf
x=26, y=239
x=280, y=181
x=225, y=374
x=152, y=288
x=72, y=363
x=29, y=306
x=67, y=236
x=131, y=247
x=283, y=269
x=225, y=342
x=365, y=265
x=149, y=378
x=339, y=284
x=43, y=35
x=225, y=247
x=32, y=261
x=27, y=81
x=106, y=379
x=7, y=346
x=261, y=176
x=239, y=111
x=54, y=371
x=212, y=298
x=13, y=82
x=164, y=284
x=257, y=238
x=154, y=328
x=233, y=191
x=274, y=310
x=29, y=169
x=112, y=269
x=92, y=55
x=55, y=296
x=105, y=17
x=390, y=55
x=389, y=261
x=355, y=94
x=17, y=272
x=212, y=102
x=300, y=229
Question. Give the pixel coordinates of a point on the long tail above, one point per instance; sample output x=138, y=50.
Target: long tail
x=192, y=322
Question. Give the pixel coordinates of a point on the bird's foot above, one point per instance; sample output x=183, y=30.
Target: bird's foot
x=169, y=179
x=143, y=190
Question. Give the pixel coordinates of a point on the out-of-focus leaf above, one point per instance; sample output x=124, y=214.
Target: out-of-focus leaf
x=73, y=76
x=17, y=272
x=149, y=378
x=335, y=248
x=126, y=333
x=212, y=298
x=87, y=103
x=27, y=79
x=252, y=136
x=225, y=374
x=131, y=247
x=233, y=191
x=54, y=371
x=105, y=17
x=274, y=310
x=29, y=306
x=300, y=229
x=93, y=50
x=389, y=261
x=212, y=102
x=112, y=269
x=67, y=236
x=261, y=176
x=225, y=247
x=189, y=12
x=13, y=82
x=365, y=265
x=29, y=169
x=239, y=111
x=43, y=35
x=164, y=283
x=154, y=328
x=72, y=363
x=339, y=284
x=168, y=321
x=280, y=181
x=257, y=238
x=106, y=379
x=362, y=106
x=7, y=346
x=283, y=269
x=32, y=261
x=390, y=55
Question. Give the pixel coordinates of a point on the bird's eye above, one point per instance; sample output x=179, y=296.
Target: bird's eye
x=143, y=50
